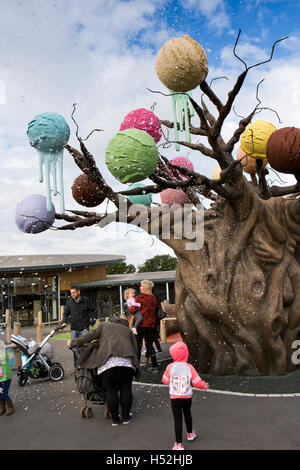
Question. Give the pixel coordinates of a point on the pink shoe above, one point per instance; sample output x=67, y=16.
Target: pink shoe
x=178, y=446
x=191, y=436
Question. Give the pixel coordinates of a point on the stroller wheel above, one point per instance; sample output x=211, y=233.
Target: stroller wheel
x=86, y=412
x=56, y=372
x=23, y=377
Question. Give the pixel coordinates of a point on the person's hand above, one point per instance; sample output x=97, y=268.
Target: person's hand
x=69, y=344
x=63, y=325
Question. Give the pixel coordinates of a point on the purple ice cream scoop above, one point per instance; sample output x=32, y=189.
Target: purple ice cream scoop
x=32, y=215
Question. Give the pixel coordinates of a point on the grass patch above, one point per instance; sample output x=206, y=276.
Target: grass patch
x=68, y=335
x=63, y=336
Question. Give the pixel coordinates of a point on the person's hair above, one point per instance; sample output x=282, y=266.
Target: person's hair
x=148, y=284
x=127, y=292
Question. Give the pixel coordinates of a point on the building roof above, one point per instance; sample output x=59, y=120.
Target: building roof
x=128, y=279
x=58, y=263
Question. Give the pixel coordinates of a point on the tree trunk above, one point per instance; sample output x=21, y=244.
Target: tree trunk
x=238, y=297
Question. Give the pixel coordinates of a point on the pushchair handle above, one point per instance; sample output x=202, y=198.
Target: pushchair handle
x=59, y=327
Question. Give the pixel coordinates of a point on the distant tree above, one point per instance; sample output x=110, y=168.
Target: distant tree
x=120, y=268
x=158, y=263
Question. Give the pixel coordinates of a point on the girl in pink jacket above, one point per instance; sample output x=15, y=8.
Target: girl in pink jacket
x=181, y=377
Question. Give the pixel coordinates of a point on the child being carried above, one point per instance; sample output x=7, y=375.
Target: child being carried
x=129, y=295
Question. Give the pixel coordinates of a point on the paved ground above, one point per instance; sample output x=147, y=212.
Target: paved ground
x=48, y=417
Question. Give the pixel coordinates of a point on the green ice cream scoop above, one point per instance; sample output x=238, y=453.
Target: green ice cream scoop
x=131, y=155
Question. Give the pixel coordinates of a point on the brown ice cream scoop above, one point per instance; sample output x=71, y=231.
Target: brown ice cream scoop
x=87, y=193
x=283, y=150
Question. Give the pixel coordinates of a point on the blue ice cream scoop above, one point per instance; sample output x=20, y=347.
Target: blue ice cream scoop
x=32, y=215
x=144, y=199
x=48, y=133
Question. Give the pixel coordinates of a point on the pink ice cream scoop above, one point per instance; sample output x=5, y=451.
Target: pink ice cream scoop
x=145, y=120
x=183, y=162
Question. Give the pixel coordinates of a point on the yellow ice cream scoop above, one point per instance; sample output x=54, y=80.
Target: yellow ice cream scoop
x=216, y=173
x=181, y=64
x=255, y=137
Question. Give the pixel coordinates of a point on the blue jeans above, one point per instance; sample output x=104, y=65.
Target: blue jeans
x=5, y=387
x=74, y=335
x=138, y=319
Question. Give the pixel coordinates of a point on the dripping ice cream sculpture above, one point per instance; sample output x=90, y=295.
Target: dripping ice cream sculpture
x=48, y=133
x=181, y=65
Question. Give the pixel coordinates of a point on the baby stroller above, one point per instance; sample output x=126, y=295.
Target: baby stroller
x=89, y=384
x=38, y=360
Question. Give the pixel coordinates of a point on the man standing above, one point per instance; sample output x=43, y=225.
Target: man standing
x=80, y=313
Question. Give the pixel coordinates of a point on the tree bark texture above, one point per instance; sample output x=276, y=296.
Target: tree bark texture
x=238, y=297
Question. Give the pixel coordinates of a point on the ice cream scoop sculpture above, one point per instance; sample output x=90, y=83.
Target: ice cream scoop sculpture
x=255, y=137
x=145, y=120
x=87, y=193
x=216, y=173
x=131, y=155
x=48, y=133
x=144, y=199
x=181, y=65
x=249, y=164
x=172, y=196
x=184, y=162
x=32, y=214
x=283, y=150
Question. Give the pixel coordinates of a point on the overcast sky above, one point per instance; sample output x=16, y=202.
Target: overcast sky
x=101, y=54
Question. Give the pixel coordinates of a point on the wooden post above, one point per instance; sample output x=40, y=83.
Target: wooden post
x=17, y=358
x=8, y=328
x=62, y=309
x=98, y=322
x=39, y=328
x=163, y=331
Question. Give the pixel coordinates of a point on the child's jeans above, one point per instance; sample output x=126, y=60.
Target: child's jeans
x=4, y=386
x=138, y=318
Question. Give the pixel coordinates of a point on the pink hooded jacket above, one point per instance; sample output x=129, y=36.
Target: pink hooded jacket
x=180, y=375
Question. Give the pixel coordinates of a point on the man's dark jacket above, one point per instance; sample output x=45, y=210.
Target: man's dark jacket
x=79, y=314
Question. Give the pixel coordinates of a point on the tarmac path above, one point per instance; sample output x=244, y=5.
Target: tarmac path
x=48, y=417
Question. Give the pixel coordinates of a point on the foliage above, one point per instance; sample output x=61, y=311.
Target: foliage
x=158, y=263
x=120, y=268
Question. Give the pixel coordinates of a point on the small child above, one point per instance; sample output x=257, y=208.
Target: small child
x=181, y=376
x=6, y=406
x=129, y=295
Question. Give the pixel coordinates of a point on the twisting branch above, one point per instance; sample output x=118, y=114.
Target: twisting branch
x=243, y=124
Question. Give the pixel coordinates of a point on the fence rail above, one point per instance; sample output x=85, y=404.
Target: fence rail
x=41, y=324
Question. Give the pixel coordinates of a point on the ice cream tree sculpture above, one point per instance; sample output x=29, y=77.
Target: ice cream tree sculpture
x=237, y=296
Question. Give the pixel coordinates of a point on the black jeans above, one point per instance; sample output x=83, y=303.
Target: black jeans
x=118, y=380
x=179, y=406
x=148, y=334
